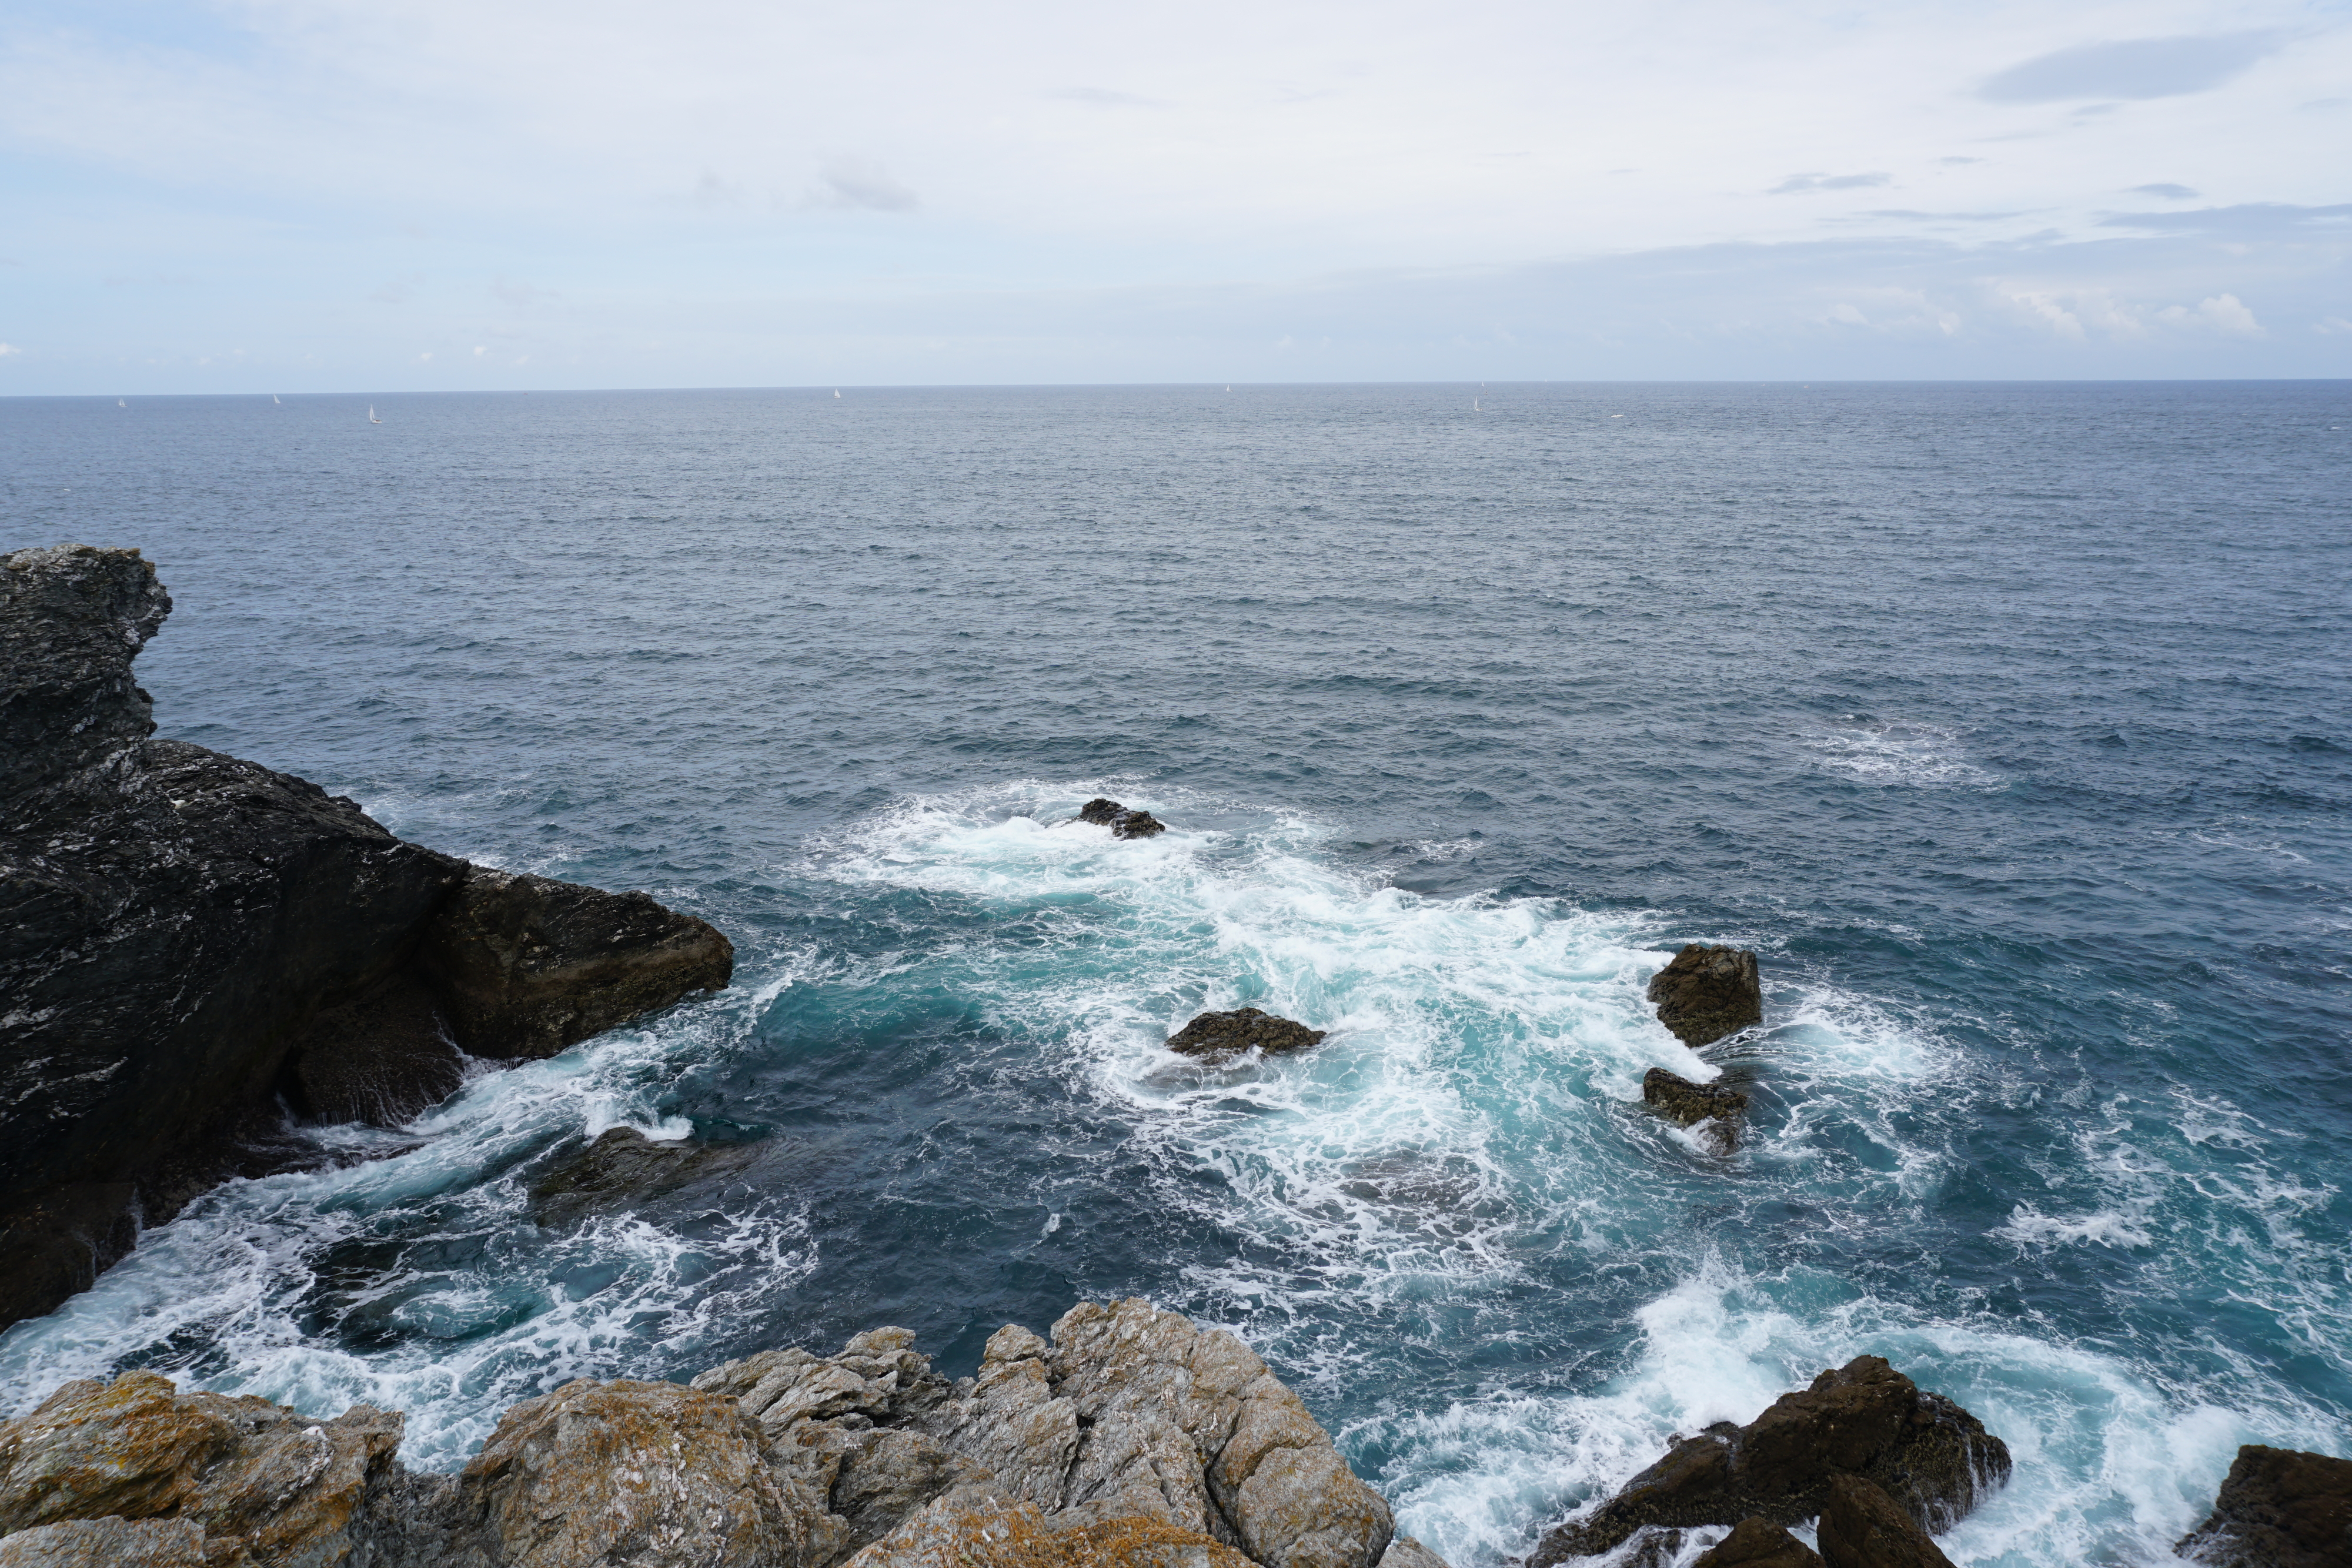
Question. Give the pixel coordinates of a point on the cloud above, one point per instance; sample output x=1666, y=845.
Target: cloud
x=2132, y=67
x=2170, y=193
x=8, y=349
x=1828, y=183
x=852, y=181
x=1907, y=214
x=1103, y=96
x=1955, y=161
x=2247, y=218
x=2223, y=313
x=520, y=295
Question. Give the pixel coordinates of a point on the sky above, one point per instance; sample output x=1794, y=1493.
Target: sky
x=260, y=196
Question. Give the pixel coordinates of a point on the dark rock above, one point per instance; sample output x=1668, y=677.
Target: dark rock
x=1706, y=993
x=624, y=1166
x=1863, y=1419
x=1758, y=1543
x=185, y=938
x=1122, y=822
x=1681, y=1100
x=2278, y=1509
x=525, y=966
x=1862, y=1527
x=1654, y=1549
x=385, y=1058
x=1242, y=1030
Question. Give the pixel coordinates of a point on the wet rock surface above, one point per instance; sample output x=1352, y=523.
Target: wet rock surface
x=1122, y=822
x=1758, y=1543
x=1865, y=1419
x=1243, y=1029
x=2278, y=1508
x=1130, y=1438
x=1862, y=1527
x=1686, y=1104
x=1706, y=993
x=622, y=1168
x=187, y=940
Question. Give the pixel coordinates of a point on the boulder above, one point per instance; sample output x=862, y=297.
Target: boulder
x=1758, y=1543
x=1706, y=993
x=1862, y=1527
x=624, y=1166
x=185, y=938
x=2278, y=1508
x=525, y=966
x=1865, y=1419
x=1122, y=822
x=1688, y=1103
x=246, y=1475
x=1243, y=1029
x=649, y=1475
x=110, y=1544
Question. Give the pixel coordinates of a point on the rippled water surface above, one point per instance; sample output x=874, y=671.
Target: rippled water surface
x=2009, y=724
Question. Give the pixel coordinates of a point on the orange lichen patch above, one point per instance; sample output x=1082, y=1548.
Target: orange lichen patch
x=1018, y=1536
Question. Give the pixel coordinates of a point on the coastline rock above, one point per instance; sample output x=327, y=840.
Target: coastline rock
x=624, y=1165
x=525, y=966
x=1862, y=1527
x=1132, y=1439
x=1230, y=1034
x=2278, y=1508
x=1758, y=1543
x=1865, y=1419
x=1122, y=822
x=1686, y=1104
x=249, y=1477
x=185, y=938
x=1705, y=993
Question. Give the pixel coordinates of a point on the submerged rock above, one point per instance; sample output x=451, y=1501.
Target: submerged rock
x=1862, y=1527
x=1688, y=1103
x=1706, y=993
x=2279, y=1507
x=1865, y=1419
x=189, y=937
x=624, y=1166
x=1758, y=1543
x=1132, y=1439
x=1243, y=1029
x=1122, y=822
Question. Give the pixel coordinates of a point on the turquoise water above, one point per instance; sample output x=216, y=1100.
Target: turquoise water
x=2009, y=724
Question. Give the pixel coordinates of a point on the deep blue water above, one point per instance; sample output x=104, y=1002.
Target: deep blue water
x=2012, y=725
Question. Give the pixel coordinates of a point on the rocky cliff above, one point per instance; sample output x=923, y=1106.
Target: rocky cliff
x=191, y=945
x=1130, y=1438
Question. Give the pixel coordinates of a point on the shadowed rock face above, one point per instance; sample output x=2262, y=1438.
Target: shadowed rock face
x=622, y=1168
x=185, y=937
x=1133, y=1438
x=2278, y=1509
x=1706, y=993
x=1681, y=1100
x=1757, y=1543
x=1122, y=822
x=1862, y=1527
x=1243, y=1029
x=1865, y=1419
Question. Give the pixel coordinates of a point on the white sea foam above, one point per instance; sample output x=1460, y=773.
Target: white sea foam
x=1918, y=756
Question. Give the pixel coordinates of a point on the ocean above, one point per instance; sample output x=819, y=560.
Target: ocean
x=2011, y=724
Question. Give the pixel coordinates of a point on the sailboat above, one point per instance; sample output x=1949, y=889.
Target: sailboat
x=276, y=399
x=372, y=418
x=1475, y=408
x=120, y=404
x=836, y=391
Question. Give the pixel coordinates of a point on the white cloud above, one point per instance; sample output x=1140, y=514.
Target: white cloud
x=2221, y=313
x=850, y=181
x=1830, y=182
x=8, y=349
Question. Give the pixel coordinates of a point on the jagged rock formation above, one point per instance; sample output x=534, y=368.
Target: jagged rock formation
x=1706, y=993
x=1865, y=1419
x=2279, y=1507
x=1122, y=822
x=1679, y=1100
x=1758, y=1543
x=185, y=938
x=1862, y=1527
x=1224, y=1035
x=1132, y=1439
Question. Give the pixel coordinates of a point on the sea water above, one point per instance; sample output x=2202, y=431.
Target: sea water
x=2011, y=725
